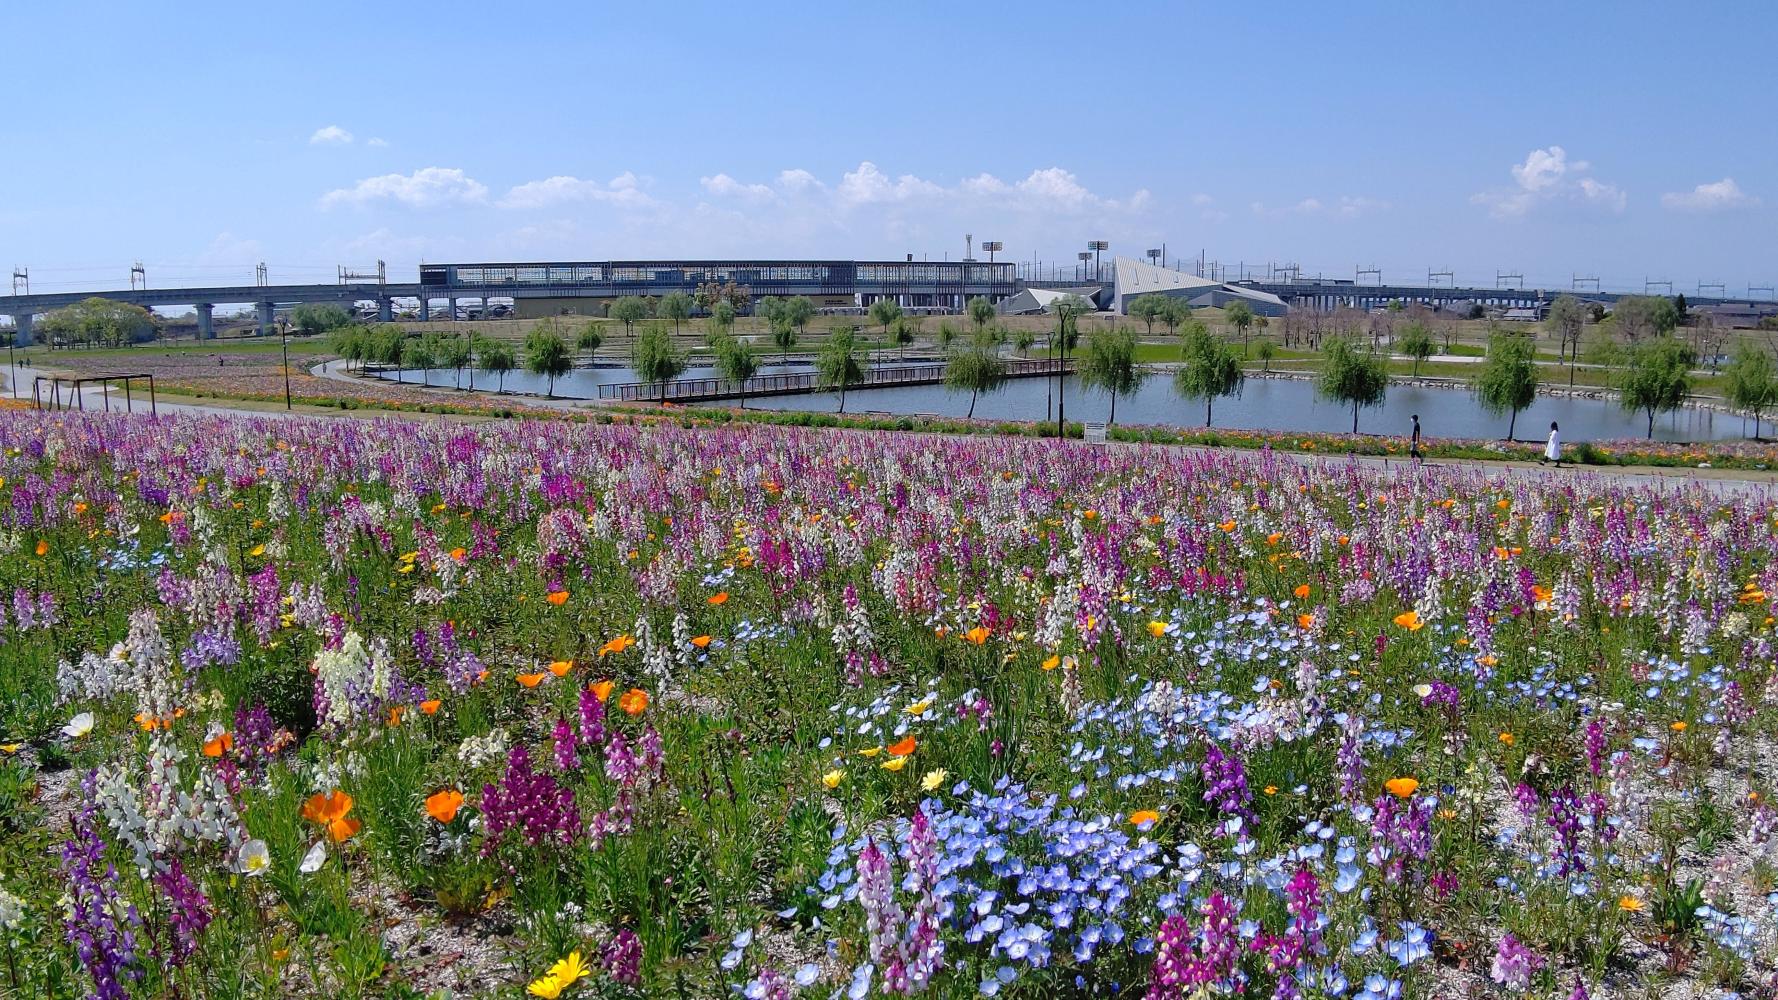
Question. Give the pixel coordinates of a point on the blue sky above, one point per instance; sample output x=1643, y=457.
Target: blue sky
x=1614, y=139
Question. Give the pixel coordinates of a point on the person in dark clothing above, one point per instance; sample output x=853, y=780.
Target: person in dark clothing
x=1414, y=443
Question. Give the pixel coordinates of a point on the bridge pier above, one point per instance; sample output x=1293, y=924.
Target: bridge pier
x=386, y=309
x=206, y=321
x=21, y=330
x=265, y=318
x=425, y=309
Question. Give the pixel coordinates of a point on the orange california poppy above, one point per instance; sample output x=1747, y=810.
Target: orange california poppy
x=602, y=689
x=903, y=747
x=978, y=635
x=557, y=597
x=560, y=667
x=430, y=706
x=1410, y=620
x=224, y=742
x=330, y=811
x=1305, y=621
x=634, y=701
x=1401, y=788
x=1052, y=663
x=443, y=806
x=458, y=553
x=531, y=680
x=395, y=714
x=1301, y=591
x=617, y=645
x=720, y=597
x=1274, y=537
x=1142, y=816
x=702, y=641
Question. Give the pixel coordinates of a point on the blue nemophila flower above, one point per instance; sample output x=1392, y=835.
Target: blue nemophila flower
x=1414, y=944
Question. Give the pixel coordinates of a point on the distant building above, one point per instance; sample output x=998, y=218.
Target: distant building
x=1133, y=278
x=1744, y=315
x=1038, y=300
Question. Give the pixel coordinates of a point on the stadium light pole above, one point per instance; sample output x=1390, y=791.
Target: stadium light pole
x=993, y=247
x=1083, y=257
x=1096, y=246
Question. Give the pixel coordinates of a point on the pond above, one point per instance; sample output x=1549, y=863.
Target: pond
x=1264, y=404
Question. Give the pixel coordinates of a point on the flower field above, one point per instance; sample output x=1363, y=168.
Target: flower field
x=340, y=708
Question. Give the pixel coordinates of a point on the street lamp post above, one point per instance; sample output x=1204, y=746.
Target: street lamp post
x=284, y=347
x=1096, y=246
x=1067, y=313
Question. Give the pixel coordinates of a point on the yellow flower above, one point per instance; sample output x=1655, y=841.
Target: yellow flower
x=1630, y=904
x=1157, y=629
x=934, y=778
x=894, y=764
x=1678, y=727
x=569, y=970
x=833, y=778
x=547, y=987
x=1506, y=738
x=1271, y=789
x=919, y=707
x=1052, y=663
x=871, y=752
x=1141, y=816
x=257, y=550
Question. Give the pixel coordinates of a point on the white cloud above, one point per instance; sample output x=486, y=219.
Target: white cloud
x=798, y=179
x=227, y=248
x=1548, y=175
x=331, y=135
x=724, y=186
x=376, y=142
x=424, y=188
x=1346, y=207
x=1713, y=197
x=1207, y=208
x=624, y=191
x=386, y=245
x=869, y=185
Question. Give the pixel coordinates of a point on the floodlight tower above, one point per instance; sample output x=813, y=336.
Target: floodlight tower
x=1097, y=246
x=1154, y=256
x=992, y=247
x=1080, y=273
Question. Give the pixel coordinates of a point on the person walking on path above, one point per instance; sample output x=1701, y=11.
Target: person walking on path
x=1414, y=443
x=1552, y=451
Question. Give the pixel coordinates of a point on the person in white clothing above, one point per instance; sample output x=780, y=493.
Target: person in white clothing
x=1552, y=452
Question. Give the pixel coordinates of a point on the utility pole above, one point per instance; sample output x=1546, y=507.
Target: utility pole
x=138, y=277
x=284, y=345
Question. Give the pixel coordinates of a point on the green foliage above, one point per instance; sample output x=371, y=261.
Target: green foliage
x=498, y=359
x=1508, y=381
x=590, y=337
x=838, y=365
x=1350, y=375
x=981, y=310
x=884, y=312
x=455, y=353
x=1110, y=365
x=737, y=361
x=975, y=367
x=798, y=310
x=675, y=306
x=1641, y=316
x=98, y=322
x=1209, y=369
x=547, y=354
x=722, y=315
x=1415, y=342
x=657, y=360
x=1753, y=381
x=1656, y=377
x=1149, y=308
x=319, y=317
x=1239, y=315
x=630, y=310
x=416, y=352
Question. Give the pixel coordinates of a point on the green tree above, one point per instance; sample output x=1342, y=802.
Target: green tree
x=349, y=342
x=1240, y=316
x=1148, y=308
x=675, y=306
x=901, y=333
x=1566, y=319
x=884, y=312
x=416, y=352
x=498, y=359
x=947, y=335
x=981, y=310
x=838, y=365
x=630, y=310
x=99, y=322
x=975, y=367
x=1416, y=343
x=738, y=362
x=547, y=354
x=1267, y=351
x=1110, y=365
x=771, y=309
x=319, y=317
x=657, y=360
x=798, y=310
x=454, y=353
x=1177, y=312
x=589, y=339
x=1753, y=381
x=783, y=336
x=1638, y=317
x=1508, y=382
x=1210, y=369
x=1349, y=375
x=1656, y=377
x=722, y=317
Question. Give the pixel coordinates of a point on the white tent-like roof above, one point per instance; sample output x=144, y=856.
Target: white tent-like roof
x=1134, y=278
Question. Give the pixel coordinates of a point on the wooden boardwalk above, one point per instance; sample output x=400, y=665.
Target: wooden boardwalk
x=699, y=390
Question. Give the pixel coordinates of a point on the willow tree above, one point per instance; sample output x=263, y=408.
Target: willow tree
x=1508, y=382
x=1209, y=369
x=975, y=367
x=1349, y=375
x=839, y=365
x=1110, y=365
x=657, y=360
